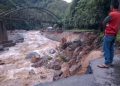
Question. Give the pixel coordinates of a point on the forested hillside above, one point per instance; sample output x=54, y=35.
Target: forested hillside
x=87, y=13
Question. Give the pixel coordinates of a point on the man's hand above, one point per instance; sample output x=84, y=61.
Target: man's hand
x=106, y=21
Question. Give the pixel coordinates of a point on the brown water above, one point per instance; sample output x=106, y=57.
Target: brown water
x=17, y=71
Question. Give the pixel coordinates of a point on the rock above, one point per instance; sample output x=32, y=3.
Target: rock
x=64, y=44
x=1, y=48
x=49, y=58
x=41, y=62
x=32, y=72
x=75, y=44
x=63, y=41
x=52, y=51
x=78, y=58
x=54, y=65
x=32, y=54
x=8, y=43
x=6, y=49
x=75, y=68
x=57, y=75
x=19, y=38
x=76, y=51
x=34, y=60
x=65, y=70
x=72, y=62
x=43, y=76
x=68, y=52
x=1, y=62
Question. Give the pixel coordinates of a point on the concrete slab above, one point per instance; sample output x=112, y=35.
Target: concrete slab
x=86, y=80
x=107, y=77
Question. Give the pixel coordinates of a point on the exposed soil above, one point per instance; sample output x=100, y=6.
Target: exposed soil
x=88, y=58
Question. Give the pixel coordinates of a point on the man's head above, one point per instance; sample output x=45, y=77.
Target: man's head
x=114, y=4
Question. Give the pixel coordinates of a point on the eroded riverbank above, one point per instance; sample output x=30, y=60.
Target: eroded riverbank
x=57, y=63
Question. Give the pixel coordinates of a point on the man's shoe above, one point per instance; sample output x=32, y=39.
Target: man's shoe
x=103, y=66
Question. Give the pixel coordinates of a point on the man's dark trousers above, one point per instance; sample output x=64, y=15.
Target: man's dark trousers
x=108, y=48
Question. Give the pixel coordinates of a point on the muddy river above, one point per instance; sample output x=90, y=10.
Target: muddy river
x=17, y=71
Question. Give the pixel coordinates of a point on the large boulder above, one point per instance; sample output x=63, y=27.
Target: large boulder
x=75, y=44
x=34, y=60
x=33, y=56
x=18, y=38
x=1, y=62
x=1, y=48
x=52, y=51
x=8, y=43
x=57, y=75
x=63, y=43
x=43, y=77
x=40, y=63
x=55, y=65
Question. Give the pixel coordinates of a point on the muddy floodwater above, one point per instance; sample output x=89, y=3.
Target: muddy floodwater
x=17, y=71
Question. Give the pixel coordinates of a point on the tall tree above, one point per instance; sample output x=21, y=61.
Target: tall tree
x=88, y=13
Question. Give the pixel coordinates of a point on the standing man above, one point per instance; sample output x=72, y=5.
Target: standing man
x=111, y=24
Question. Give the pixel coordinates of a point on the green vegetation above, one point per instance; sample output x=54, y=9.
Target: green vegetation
x=79, y=14
x=87, y=13
x=81, y=30
x=118, y=37
x=5, y=5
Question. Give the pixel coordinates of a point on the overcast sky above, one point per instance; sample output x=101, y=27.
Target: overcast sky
x=68, y=0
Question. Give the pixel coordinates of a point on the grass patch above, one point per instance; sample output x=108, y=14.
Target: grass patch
x=63, y=58
x=81, y=30
x=49, y=57
x=118, y=37
x=101, y=35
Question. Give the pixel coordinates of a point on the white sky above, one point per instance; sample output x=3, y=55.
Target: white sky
x=68, y=1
